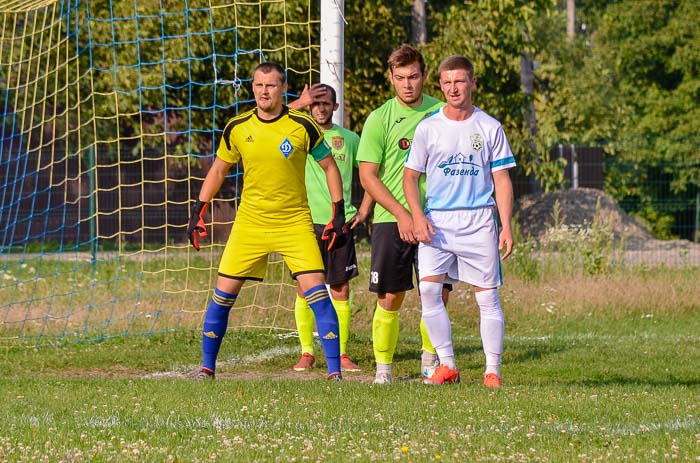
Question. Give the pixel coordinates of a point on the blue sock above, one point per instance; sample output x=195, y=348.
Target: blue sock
x=326, y=324
x=215, y=324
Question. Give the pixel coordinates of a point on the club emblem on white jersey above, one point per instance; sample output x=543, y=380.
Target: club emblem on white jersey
x=477, y=142
x=286, y=148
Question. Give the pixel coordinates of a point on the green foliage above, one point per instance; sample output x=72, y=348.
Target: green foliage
x=499, y=34
x=523, y=262
x=630, y=83
x=374, y=29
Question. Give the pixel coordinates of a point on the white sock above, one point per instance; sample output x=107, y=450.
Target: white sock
x=383, y=368
x=492, y=328
x=437, y=321
x=428, y=358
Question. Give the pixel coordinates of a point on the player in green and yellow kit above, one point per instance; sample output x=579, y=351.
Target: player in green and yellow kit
x=386, y=139
x=341, y=263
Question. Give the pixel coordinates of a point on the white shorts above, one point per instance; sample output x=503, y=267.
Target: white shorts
x=465, y=247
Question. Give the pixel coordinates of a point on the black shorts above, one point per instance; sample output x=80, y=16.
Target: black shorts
x=341, y=264
x=393, y=260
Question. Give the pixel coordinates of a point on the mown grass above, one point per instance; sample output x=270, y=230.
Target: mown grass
x=598, y=386
x=600, y=365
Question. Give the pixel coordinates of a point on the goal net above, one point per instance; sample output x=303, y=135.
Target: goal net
x=111, y=114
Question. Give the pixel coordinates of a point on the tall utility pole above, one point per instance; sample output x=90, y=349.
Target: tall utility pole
x=418, y=27
x=571, y=19
x=333, y=52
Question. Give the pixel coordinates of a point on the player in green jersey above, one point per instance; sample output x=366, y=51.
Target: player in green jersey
x=386, y=139
x=341, y=263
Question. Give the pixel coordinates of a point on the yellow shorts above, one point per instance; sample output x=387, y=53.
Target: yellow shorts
x=245, y=255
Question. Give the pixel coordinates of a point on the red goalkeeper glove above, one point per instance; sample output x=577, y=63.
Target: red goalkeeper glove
x=196, y=228
x=336, y=232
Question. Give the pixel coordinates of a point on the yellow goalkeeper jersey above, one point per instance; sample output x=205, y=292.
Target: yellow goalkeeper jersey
x=273, y=154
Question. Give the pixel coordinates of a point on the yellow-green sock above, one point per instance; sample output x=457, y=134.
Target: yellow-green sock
x=425, y=339
x=304, y=317
x=385, y=334
x=342, y=308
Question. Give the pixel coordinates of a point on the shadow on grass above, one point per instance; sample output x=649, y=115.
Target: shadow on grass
x=620, y=380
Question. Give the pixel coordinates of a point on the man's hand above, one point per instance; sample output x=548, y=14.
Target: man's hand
x=505, y=239
x=357, y=219
x=308, y=96
x=196, y=228
x=405, y=225
x=336, y=232
x=423, y=228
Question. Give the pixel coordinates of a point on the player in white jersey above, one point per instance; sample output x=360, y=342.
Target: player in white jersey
x=465, y=156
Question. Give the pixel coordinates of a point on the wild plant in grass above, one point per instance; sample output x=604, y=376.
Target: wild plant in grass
x=581, y=248
x=523, y=262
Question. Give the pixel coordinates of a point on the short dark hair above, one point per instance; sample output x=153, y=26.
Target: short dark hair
x=406, y=55
x=268, y=67
x=455, y=62
x=331, y=90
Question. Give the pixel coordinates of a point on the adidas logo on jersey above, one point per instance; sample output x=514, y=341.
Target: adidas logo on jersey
x=249, y=139
x=330, y=335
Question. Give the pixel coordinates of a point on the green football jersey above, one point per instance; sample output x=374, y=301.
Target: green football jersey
x=386, y=139
x=343, y=145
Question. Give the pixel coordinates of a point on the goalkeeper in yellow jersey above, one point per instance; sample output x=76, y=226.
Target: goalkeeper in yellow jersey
x=341, y=263
x=272, y=142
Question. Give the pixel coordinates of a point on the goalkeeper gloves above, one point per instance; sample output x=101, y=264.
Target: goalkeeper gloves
x=336, y=232
x=196, y=228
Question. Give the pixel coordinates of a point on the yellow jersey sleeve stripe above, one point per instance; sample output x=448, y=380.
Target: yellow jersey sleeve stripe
x=234, y=121
x=311, y=127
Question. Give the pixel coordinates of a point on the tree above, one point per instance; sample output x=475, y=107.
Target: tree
x=498, y=35
x=632, y=85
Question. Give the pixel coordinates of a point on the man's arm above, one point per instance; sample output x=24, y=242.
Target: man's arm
x=336, y=232
x=421, y=225
x=214, y=179
x=196, y=227
x=362, y=211
x=335, y=182
x=504, y=202
x=308, y=96
x=369, y=177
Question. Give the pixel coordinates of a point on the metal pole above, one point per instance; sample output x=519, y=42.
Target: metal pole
x=574, y=168
x=561, y=155
x=333, y=52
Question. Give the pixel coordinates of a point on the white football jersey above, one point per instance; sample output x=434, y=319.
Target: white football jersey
x=458, y=158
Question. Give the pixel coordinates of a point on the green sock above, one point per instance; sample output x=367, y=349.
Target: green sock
x=342, y=308
x=304, y=317
x=385, y=334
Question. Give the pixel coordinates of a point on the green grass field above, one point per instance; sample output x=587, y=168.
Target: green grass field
x=599, y=368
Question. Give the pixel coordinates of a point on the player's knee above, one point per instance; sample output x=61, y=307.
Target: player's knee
x=391, y=301
x=489, y=304
x=431, y=298
x=430, y=289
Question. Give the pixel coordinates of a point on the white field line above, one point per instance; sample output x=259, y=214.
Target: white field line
x=587, y=337
x=253, y=359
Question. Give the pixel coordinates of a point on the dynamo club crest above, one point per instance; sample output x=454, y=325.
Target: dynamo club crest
x=286, y=148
